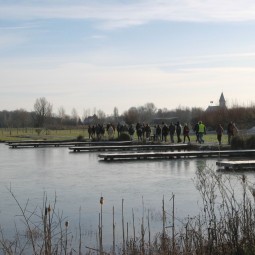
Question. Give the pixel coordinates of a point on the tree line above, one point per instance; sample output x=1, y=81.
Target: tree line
x=42, y=116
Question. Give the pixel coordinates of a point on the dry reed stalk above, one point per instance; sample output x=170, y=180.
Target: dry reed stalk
x=113, y=231
x=80, y=239
x=133, y=218
x=123, y=227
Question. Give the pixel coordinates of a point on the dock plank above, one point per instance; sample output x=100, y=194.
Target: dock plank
x=238, y=164
x=176, y=154
x=36, y=144
x=161, y=147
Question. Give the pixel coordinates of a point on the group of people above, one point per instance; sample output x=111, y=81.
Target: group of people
x=160, y=132
x=231, y=131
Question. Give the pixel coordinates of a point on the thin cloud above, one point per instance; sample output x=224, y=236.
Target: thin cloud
x=119, y=15
x=10, y=40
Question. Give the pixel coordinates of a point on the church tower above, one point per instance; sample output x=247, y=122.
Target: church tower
x=222, y=101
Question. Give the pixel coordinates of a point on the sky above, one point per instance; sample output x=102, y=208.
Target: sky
x=92, y=55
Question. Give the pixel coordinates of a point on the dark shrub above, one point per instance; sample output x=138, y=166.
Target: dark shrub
x=250, y=142
x=80, y=138
x=238, y=142
x=124, y=137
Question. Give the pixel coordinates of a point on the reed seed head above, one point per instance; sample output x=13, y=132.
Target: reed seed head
x=101, y=200
x=66, y=224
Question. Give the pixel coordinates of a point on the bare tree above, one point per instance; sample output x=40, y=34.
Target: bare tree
x=86, y=113
x=131, y=115
x=75, y=115
x=61, y=114
x=101, y=115
x=115, y=113
x=42, y=111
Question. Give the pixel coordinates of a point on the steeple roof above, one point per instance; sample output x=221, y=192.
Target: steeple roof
x=222, y=98
x=222, y=101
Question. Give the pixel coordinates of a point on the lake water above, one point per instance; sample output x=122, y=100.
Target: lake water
x=78, y=180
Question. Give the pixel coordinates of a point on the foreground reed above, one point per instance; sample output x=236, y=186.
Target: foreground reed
x=225, y=225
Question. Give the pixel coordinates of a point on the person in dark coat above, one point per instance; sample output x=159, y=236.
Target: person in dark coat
x=164, y=132
x=219, y=132
x=131, y=132
x=186, y=133
x=171, y=132
x=196, y=131
x=178, y=132
x=231, y=130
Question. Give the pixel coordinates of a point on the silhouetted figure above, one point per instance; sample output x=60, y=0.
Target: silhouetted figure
x=201, y=131
x=171, y=132
x=178, y=132
x=186, y=133
x=219, y=132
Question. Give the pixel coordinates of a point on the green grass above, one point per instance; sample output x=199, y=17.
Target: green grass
x=21, y=134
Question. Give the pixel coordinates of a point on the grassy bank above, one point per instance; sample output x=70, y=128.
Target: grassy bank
x=23, y=134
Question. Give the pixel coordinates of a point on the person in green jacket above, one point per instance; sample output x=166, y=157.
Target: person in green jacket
x=201, y=132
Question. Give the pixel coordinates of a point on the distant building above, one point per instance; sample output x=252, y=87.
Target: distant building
x=222, y=104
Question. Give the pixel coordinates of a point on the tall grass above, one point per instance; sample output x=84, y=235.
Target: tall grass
x=224, y=225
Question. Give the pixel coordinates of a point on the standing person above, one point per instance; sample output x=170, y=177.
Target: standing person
x=147, y=130
x=164, y=132
x=110, y=132
x=90, y=132
x=201, y=132
x=219, y=132
x=131, y=132
x=158, y=133
x=143, y=131
x=172, y=131
x=231, y=130
x=196, y=131
x=186, y=132
x=93, y=132
x=139, y=133
x=178, y=132
x=153, y=131
x=118, y=129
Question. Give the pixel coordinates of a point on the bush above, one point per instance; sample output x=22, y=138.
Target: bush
x=238, y=142
x=241, y=142
x=124, y=137
x=80, y=138
x=250, y=142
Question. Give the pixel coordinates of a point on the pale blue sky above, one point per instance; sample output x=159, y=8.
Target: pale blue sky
x=105, y=54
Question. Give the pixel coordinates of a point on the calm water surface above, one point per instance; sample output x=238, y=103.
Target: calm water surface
x=80, y=179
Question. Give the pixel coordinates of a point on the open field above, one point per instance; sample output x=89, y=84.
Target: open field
x=22, y=134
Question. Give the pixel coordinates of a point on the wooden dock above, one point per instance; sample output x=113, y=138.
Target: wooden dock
x=237, y=165
x=176, y=154
x=148, y=147
x=36, y=144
